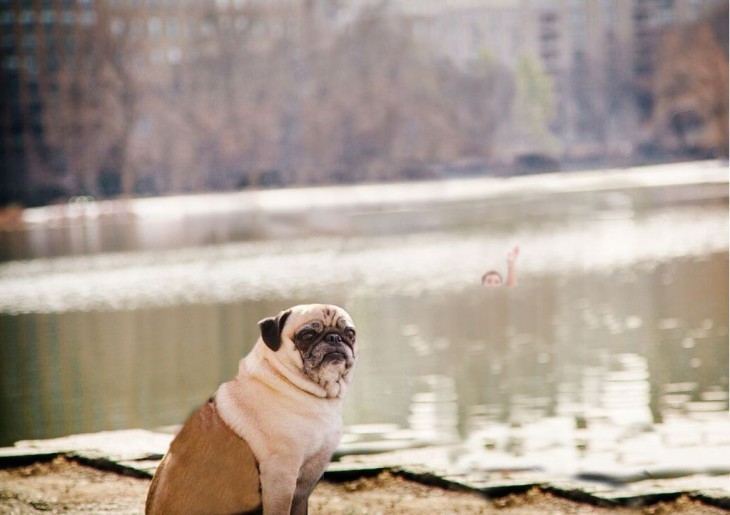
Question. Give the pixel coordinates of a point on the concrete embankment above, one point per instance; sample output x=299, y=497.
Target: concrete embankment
x=138, y=452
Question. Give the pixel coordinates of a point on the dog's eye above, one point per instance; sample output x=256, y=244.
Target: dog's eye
x=350, y=334
x=307, y=335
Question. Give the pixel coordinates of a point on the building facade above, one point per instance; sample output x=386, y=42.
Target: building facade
x=70, y=68
x=597, y=53
x=121, y=54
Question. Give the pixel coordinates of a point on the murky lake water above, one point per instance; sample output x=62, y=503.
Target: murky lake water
x=620, y=317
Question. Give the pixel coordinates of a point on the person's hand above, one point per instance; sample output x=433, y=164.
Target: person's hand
x=513, y=254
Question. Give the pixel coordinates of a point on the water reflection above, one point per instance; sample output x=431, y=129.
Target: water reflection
x=634, y=335
x=375, y=266
x=557, y=348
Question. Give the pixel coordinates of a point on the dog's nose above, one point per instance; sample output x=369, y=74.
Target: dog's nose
x=333, y=338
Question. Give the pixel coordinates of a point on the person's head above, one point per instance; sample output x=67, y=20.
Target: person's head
x=492, y=278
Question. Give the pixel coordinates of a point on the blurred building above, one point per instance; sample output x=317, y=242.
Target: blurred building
x=598, y=54
x=48, y=47
x=54, y=53
x=35, y=38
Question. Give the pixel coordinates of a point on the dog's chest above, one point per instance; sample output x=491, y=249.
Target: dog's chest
x=318, y=455
x=320, y=436
x=332, y=438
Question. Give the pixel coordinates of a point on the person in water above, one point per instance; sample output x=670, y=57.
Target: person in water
x=494, y=278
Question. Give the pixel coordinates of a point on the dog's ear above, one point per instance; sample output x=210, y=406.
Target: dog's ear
x=271, y=329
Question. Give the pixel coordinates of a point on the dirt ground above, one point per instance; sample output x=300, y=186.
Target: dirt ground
x=63, y=486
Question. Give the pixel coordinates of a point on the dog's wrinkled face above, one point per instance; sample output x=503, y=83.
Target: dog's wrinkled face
x=319, y=340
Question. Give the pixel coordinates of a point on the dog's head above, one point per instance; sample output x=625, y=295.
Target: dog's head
x=317, y=339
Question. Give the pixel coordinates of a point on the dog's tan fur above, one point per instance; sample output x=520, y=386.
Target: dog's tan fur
x=274, y=428
x=233, y=488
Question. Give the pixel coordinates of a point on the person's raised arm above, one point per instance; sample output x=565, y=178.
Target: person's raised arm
x=511, y=271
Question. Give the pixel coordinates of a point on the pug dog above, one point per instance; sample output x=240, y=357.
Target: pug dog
x=262, y=442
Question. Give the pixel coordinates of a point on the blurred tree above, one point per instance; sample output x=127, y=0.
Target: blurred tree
x=483, y=99
x=691, y=88
x=290, y=98
x=223, y=95
x=384, y=109
x=88, y=113
x=534, y=108
x=184, y=131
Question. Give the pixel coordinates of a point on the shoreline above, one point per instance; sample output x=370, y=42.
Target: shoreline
x=87, y=226
x=67, y=486
x=136, y=454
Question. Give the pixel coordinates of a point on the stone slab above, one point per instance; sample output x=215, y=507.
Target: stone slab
x=138, y=452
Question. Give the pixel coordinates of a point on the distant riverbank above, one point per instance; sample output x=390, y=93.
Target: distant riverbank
x=85, y=226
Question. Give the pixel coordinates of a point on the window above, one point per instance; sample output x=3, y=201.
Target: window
x=117, y=26
x=87, y=18
x=157, y=56
x=53, y=89
x=174, y=55
x=36, y=129
x=16, y=129
x=154, y=27
x=665, y=11
x=27, y=17
x=31, y=64
x=207, y=28
x=136, y=28
x=69, y=45
x=52, y=64
x=30, y=42
x=48, y=16
x=173, y=29
x=241, y=22
x=695, y=9
x=7, y=18
x=609, y=13
x=8, y=41
x=34, y=90
x=67, y=17
x=11, y=62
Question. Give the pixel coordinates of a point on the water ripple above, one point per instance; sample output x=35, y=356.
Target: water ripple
x=406, y=265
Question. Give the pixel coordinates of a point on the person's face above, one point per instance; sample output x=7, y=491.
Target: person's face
x=492, y=280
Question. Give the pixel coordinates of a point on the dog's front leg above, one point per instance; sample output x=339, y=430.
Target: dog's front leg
x=278, y=484
x=300, y=504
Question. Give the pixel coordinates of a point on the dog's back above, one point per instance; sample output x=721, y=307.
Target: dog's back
x=208, y=469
